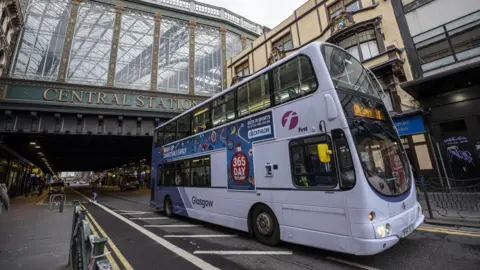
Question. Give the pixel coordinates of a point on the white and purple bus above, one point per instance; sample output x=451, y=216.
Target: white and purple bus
x=303, y=151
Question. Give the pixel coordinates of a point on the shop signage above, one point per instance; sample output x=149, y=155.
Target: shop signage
x=98, y=98
x=409, y=125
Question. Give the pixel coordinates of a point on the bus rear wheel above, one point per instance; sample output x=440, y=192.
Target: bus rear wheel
x=265, y=225
x=168, y=207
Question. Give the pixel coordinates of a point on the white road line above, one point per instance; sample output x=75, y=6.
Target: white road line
x=241, y=252
x=200, y=236
x=135, y=213
x=144, y=218
x=172, y=226
x=350, y=263
x=180, y=252
x=128, y=211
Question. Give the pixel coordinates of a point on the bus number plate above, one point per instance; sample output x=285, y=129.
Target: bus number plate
x=407, y=231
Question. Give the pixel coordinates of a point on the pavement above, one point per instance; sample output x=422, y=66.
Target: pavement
x=34, y=237
x=148, y=240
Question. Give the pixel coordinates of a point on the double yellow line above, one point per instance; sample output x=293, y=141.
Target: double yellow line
x=43, y=198
x=96, y=229
x=448, y=231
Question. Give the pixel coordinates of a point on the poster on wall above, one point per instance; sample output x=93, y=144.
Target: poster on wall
x=237, y=138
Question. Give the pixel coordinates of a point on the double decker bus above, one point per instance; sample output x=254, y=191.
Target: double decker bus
x=303, y=151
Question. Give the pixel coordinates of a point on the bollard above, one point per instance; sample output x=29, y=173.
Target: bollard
x=62, y=203
x=98, y=248
x=425, y=193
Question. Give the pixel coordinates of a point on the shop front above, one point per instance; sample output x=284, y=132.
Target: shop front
x=451, y=102
x=416, y=141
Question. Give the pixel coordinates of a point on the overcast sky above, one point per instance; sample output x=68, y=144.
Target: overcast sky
x=269, y=13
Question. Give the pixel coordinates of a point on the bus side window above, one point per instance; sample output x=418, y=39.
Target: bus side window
x=182, y=173
x=293, y=79
x=253, y=96
x=159, y=137
x=184, y=127
x=169, y=135
x=169, y=174
x=201, y=119
x=160, y=181
x=223, y=109
x=307, y=169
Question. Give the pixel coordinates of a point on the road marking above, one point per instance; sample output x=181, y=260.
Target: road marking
x=241, y=252
x=144, y=218
x=351, y=263
x=449, y=231
x=135, y=213
x=42, y=198
x=131, y=211
x=120, y=256
x=180, y=252
x=200, y=236
x=105, y=250
x=67, y=204
x=172, y=226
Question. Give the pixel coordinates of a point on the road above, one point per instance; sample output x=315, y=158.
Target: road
x=144, y=239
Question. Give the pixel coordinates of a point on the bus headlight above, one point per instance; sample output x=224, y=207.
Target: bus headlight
x=383, y=230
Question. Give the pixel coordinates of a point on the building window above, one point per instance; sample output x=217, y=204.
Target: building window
x=307, y=169
x=208, y=60
x=242, y=70
x=134, y=57
x=41, y=47
x=234, y=44
x=361, y=45
x=173, y=62
x=91, y=45
x=284, y=44
x=343, y=5
x=409, y=5
x=453, y=42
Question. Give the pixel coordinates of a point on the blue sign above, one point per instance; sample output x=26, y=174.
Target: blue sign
x=237, y=138
x=409, y=125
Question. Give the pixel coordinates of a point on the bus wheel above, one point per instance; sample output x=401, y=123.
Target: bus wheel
x=265, y=226
x=168, y=207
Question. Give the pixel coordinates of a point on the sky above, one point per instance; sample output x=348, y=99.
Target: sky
x=269, y=13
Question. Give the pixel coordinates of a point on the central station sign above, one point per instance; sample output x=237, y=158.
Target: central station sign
x=98, y=98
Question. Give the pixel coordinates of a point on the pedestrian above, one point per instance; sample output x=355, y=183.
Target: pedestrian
x=94, y=192
x=4, y=197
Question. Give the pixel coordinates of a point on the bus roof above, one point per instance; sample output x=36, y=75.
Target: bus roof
x=252, y=76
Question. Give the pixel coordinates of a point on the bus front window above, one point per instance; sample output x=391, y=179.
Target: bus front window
x=381, y=157
x=347, y=72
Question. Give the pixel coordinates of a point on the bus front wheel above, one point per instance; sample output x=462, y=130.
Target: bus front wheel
x=168, y=207
x=265, y=225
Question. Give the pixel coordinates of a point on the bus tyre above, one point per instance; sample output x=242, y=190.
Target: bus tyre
x=168, y=207
x=265, y=226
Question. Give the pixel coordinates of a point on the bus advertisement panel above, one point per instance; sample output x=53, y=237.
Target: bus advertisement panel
x=237, y=138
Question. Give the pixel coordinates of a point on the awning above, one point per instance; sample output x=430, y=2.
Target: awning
x=443, y=82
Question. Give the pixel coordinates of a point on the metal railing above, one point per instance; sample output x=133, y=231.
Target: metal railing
x=448, y=44
x=452, y=201
x=87, y=251
x=212, y=11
